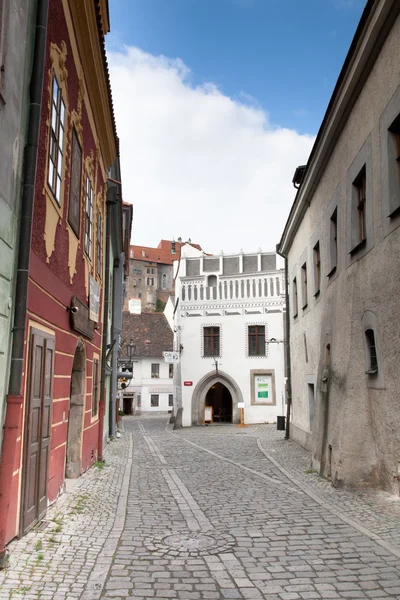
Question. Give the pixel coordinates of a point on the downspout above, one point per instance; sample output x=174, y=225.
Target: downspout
x=111, y=200
x=288, y=368
x=15, y=399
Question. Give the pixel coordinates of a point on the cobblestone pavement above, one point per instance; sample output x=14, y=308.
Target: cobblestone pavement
x=208, y=513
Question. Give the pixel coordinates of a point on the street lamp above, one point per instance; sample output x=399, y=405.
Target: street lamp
x=131, y=349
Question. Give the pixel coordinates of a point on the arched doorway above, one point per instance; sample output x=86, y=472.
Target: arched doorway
x=202, y=388
x=76, y=410
x=220, y=398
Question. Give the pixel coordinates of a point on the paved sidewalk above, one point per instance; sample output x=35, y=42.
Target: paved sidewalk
x=208, y=513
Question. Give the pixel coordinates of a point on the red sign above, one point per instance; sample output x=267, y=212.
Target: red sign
x=188, y=383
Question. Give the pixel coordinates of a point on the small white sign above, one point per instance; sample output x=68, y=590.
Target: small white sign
x=171, y=357
x=240, y=404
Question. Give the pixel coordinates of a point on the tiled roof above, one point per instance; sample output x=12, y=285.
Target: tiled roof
x=162, y=254
x=150, y=333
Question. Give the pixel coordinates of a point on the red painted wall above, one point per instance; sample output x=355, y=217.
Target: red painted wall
x=50, y=290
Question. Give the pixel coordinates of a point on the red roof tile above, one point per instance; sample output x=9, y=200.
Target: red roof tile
x=162, y=254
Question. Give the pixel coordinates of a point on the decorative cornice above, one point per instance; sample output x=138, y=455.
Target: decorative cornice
x=85, y=23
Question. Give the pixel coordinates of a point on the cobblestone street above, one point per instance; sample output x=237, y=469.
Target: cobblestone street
x=208, y=513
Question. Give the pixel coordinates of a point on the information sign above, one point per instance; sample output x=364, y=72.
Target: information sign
x=171, y=357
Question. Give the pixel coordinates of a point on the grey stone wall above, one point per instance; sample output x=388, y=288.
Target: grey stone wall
x=18, y=20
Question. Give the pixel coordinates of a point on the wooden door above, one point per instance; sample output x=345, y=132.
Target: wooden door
x=38, y=427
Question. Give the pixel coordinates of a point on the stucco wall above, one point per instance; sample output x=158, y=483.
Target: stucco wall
x=363, y=423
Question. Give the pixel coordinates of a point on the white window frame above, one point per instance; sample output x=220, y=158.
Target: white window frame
x=56, y=142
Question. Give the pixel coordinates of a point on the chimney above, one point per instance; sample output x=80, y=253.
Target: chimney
x=173, y=246
x=180, y=240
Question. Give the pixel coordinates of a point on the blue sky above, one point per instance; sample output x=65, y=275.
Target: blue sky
x=217, y=102
x=284, y=54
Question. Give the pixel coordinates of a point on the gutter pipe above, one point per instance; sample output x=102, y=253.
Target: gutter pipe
x=112, y=198
x=15, y=399
x=288, y=368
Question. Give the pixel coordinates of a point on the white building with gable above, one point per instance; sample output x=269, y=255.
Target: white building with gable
x=228, y=327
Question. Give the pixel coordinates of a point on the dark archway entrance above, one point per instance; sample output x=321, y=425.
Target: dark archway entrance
x=202, y=388
x=76, y=410
x=220, y=398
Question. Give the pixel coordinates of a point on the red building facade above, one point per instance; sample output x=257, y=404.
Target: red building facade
x=53, y=427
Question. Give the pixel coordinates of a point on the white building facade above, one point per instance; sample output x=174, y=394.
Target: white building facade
x=228, y=326
x=151, y=388
x=152, y=385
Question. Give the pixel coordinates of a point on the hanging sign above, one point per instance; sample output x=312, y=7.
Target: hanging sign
x=188, y=383
x=171, y=357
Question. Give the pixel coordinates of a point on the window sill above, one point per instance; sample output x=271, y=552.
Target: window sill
x=372, y=372
x=395, y=213
x=332, y=271
x=359, y=247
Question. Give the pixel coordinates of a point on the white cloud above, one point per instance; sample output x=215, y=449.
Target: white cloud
x=196, y=163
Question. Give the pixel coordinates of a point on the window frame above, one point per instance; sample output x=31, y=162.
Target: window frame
x=99, y=244
x=170, y=400
x=4, y=26
x=360, y=230
x=260, y=340
x=157, y=397
x=211, y=348
x=74, y=202
x=373, y=367
x=390, y=172
x=304, y=285
x=295, y=297
x=89, y=196
x=317, y=268
x=95, y=387
x=55, y=168
x=153, y=371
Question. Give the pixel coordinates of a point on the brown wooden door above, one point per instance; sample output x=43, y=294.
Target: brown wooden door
x=38, y=427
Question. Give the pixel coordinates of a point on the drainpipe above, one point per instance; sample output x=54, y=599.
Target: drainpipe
x=112, y=199
x=288, y=368
x=15, y=399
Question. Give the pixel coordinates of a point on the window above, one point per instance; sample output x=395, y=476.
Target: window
x=390, y=174
x=164, y=281
x=295, y=298
x=256, y=338
x=88, y=218
x=148, y=271
x=139, y=294
x=154, y=400
x=74, y=209
x=317, y=269
x=4, y=10
x=333, y=249
x=155, y=370
x=95, y=391
x=171, y=370
x=170, y=399
x=304, y=285
x=56, y=149
x=99, y=243
x=211, y=341
x=373, y=359
x=360, y=197
x=152, y=271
